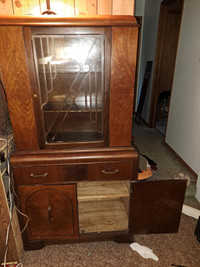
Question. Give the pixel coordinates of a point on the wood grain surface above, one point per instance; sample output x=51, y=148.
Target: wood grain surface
x=123, y=64
x=16, y=82
x=104, y=20
x=68, y=7
x=52, y=210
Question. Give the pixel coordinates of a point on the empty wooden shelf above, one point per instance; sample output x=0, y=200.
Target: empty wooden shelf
x=90, y=191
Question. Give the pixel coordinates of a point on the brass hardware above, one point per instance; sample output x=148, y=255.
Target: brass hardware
x=39, y=175
x=110, y=172
x=34, y=95
x=49, y=213
x=48, y=11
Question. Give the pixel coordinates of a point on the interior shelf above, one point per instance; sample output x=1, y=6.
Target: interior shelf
x=76, y=107
x=103, y=206
x=102, y=190
x=102, y=216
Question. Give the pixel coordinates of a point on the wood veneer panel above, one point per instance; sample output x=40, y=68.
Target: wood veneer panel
x=104, y=20
x=52, y=210
x=42, y=157
x=156, y=206
x=34, y=87
x=16, y=82
x=123, y=65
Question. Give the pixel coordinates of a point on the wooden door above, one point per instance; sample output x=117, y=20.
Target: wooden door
x=156, y=206
x=166, y=49
x=52, y=211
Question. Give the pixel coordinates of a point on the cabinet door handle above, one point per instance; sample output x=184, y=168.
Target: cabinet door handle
x=39, y=175
x=49, y=213
x=110, y=172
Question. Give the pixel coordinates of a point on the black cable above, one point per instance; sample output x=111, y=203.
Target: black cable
x=6, y=129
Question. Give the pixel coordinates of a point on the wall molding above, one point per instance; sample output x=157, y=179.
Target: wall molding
x=182, y=161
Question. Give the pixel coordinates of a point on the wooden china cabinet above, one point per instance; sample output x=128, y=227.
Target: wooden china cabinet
x=70, y=91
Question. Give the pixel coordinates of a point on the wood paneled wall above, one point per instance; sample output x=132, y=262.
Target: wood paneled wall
x=68, y=7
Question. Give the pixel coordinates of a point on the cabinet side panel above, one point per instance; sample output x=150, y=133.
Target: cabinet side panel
x=17, y=86
x=123, y=64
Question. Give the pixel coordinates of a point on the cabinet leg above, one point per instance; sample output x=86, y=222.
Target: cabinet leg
x=123, y=239
x=34, y=245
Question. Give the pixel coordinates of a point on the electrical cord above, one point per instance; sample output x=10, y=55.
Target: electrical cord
x=7, y=131
x=3, y=139
x=20, y=265
x=27, y=217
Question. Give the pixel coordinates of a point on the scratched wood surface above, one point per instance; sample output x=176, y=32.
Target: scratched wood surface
x=67, y=7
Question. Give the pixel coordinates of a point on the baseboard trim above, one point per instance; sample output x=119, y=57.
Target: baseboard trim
x=182, y=161
x=141, y=119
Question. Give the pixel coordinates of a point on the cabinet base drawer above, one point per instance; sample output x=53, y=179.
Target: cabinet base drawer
x=80, y=172
x=112, y=171
x=38, y=174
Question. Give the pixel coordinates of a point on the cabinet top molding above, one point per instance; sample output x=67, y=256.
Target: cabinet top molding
x=53, y=20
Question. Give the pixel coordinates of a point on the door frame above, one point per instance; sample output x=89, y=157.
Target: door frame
x=158, y=59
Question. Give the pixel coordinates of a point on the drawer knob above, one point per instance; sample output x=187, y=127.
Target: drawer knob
x=39, y=175
x=110, y=172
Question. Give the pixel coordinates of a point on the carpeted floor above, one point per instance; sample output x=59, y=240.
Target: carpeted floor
x=179, y=249
x=151, y=143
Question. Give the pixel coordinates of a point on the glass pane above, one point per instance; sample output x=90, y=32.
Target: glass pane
x=70, y=75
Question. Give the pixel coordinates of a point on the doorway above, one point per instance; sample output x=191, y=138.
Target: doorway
x=165, y=58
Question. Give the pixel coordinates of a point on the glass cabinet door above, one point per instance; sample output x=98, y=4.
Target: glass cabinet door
x=70, y=78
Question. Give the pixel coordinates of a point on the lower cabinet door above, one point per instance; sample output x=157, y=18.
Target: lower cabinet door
x=156, y=206
x=52, y=210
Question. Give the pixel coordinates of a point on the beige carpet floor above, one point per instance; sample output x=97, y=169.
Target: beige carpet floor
x=180, y=249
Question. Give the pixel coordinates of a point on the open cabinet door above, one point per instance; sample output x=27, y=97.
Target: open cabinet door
x=156, y=206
